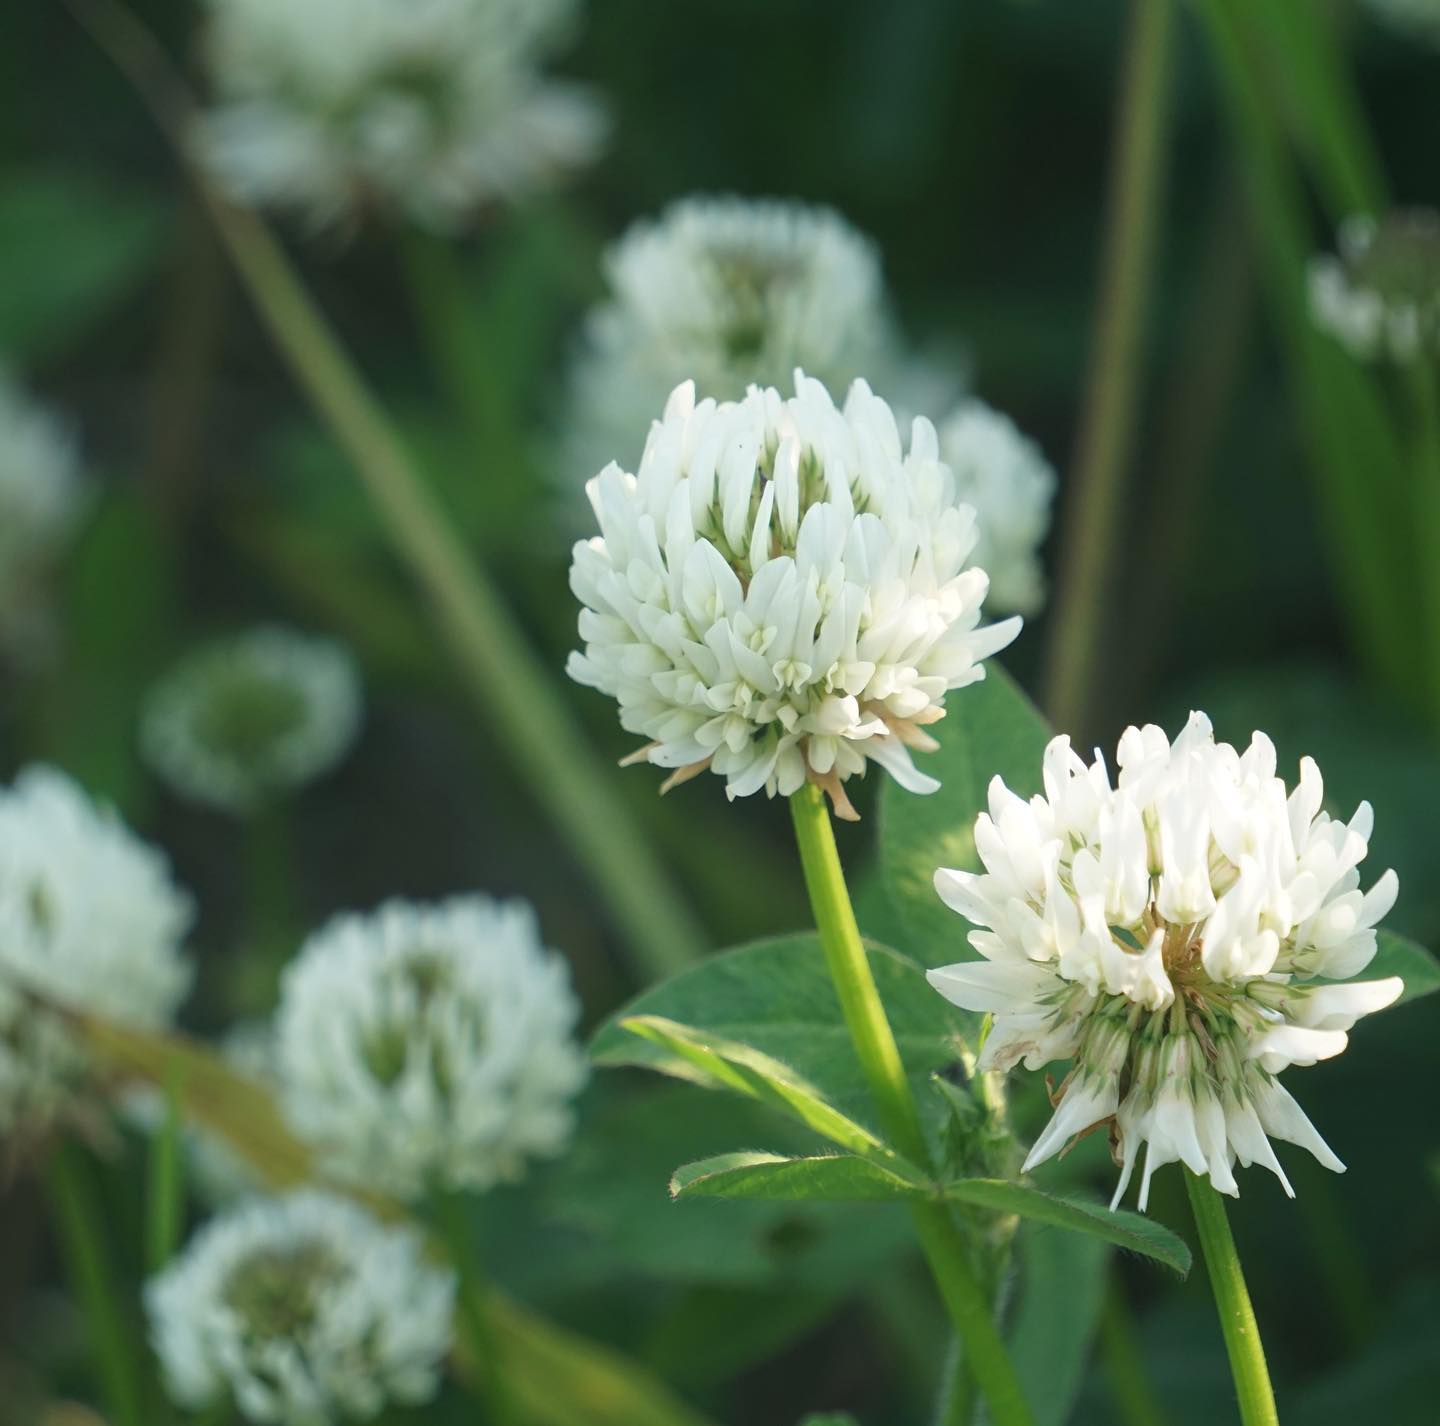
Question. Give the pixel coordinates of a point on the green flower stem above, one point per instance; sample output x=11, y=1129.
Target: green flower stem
x=512, y=689
x=884, y=1071
x=79, y=1221
x=1108, y=420
x=1232, y=1302
x=270, y=894
x=165, y=1188
x=1131, y=1392
x=472, y=1311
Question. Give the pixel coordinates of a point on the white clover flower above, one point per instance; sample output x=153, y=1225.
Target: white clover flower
x=727, y=292
x=428, y=107
x=89, y=920
x=41, y=498
x=1411, y=17
x=302, y=1310
x=1175, y=935
x=429, y=1046
x=1380, y=297
x=248, y=718
x=781, y=592
x=1011, y=485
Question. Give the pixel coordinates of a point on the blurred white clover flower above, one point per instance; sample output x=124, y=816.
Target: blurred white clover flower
x=1004, y=475
x=1380, y=296
x=1420, y=18
x=89, y=920
x=430, y=1046
x=728, y=292
x=302, y=1310
x=253, y=716
x=431, y=108
x=41, y=499
x=781, y=592
x=1177, y=936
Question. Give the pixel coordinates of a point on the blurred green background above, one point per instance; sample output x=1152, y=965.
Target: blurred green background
x=971, y=140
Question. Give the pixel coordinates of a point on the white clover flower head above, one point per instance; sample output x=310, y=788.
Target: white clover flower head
x=727, y=292
x=429, y=1046
x=41, y=499
x=1420, y=18
x=1380, y=296
x=90, y=920
x=428, y=108
x=248, y=718
x=303, y=1310
x=1011, y=485
x=1176, y=934
x=781, y=592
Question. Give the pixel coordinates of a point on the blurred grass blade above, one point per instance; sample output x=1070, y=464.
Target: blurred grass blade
x=165, y=1186
x=1352, y=448
x=512, y=690
x=1301, y=44
x=80, y=1221
x=557, y=1377
x=1398, y=955
x=1092, y=533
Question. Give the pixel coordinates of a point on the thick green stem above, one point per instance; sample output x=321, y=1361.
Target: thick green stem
x=1108, y=421
x=1232, y=1302
x=79, y=1220
x=512, y=689
x=879, y=1056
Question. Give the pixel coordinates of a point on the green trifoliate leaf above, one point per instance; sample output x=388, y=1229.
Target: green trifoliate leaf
x=776, y=997
x=1131, y=1231
x=722, y=1063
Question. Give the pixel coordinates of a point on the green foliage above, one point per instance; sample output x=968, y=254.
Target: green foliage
x=726, y=1064
x=1061, y=1289
x=989, y=730
x=72, y=246
x=1417, y=967
x=842, y=1178
x=558, y=1376
x=609, y=1199
x=776, y=997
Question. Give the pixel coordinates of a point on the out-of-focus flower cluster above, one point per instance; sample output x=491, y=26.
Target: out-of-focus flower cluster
x=249, y=718
x=89, y=921
x=428, y=108
x=1380, y=296
x=302, y=1310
